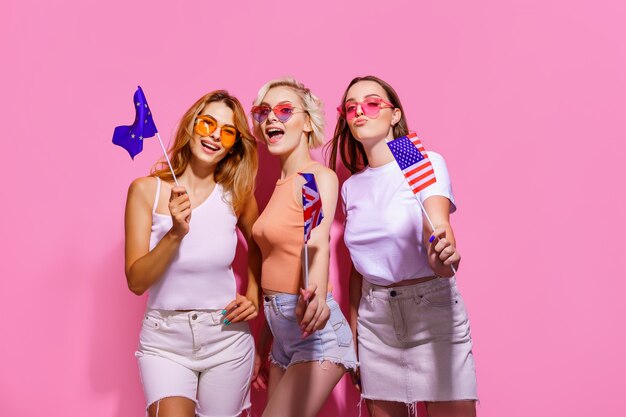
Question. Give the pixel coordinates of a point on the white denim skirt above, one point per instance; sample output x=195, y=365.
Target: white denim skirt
x=415, y=343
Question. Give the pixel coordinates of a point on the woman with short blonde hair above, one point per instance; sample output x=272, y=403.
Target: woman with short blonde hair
x=312, y=346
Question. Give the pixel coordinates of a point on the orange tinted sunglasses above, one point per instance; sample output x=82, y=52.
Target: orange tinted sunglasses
x=206, y=125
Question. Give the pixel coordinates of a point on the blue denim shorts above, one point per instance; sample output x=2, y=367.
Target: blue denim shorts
x=333, y=343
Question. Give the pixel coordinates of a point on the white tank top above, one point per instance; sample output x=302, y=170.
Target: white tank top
x=200, y=275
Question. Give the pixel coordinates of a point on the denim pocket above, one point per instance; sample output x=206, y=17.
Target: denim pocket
x=288, y=311
x=443, y=297
x=150, y=333
x=340, y=326
x=152, y=321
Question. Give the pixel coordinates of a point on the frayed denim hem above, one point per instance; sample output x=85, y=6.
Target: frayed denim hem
x=411, y=406
x=247, y=409
x=273, y=361
x=346, y=365
x=158, y=403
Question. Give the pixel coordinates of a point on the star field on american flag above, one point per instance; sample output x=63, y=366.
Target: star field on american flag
x=311, y=205
x=142, y=128
x=411, y=156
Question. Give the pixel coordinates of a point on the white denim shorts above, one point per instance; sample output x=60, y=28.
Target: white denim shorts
x=194, y=355
x=415, y=343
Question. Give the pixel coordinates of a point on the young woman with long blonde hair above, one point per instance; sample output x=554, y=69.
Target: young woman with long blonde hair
x=195, y=351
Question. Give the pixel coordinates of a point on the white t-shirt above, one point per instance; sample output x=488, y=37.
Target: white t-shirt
x=383, y=229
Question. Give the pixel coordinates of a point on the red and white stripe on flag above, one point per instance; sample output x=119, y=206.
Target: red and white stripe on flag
x=421, y=174
x=311, y=205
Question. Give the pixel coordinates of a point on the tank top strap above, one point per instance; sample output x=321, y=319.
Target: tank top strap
x=158, y=194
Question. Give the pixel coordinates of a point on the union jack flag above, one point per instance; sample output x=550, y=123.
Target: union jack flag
x=413, y=160
x=311, y=205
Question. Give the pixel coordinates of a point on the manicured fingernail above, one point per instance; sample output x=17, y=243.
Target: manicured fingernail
x=223, y=312
x=431, y=239
x=226, y=322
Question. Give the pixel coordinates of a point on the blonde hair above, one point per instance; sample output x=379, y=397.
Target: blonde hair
x=237, y=171
x=312, y=105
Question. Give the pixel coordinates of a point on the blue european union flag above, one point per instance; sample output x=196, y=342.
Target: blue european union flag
x=131, y=137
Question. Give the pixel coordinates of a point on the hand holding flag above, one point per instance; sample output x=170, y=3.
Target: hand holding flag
x=131, y=137
x=312, y=215
x=411, y=156
x=307, y=311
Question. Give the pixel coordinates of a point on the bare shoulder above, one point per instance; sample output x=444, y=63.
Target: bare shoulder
x=143, y=189
x=325, y=174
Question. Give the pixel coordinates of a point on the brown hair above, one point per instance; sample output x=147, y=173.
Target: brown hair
x=237, y=171
x=343, y=143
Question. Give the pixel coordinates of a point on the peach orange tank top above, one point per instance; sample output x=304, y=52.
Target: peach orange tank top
x=279, y=232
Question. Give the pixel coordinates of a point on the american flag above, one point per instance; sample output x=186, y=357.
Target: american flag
x=311, y=204
x=413, y=160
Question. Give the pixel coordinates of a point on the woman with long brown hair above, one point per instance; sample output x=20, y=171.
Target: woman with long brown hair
x=196, y=353
x=409, y=319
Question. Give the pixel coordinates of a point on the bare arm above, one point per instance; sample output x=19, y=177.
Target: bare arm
x=246, y=308
x=355, y=284
x=441, y=244
x=260, y=374
x=317, y=312
x=319, y=243
x=143, y=266
x=247, y=220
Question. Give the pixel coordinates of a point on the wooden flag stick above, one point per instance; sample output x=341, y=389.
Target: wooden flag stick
x=306, y=265
x=167, y=159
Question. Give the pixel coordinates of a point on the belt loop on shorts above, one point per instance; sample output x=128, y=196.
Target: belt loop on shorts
x=272, y=301
x=370, y=294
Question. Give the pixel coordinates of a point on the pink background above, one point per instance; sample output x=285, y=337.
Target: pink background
x=525, y=98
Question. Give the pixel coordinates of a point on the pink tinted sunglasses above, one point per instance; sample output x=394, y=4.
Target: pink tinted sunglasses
x=370, y=107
